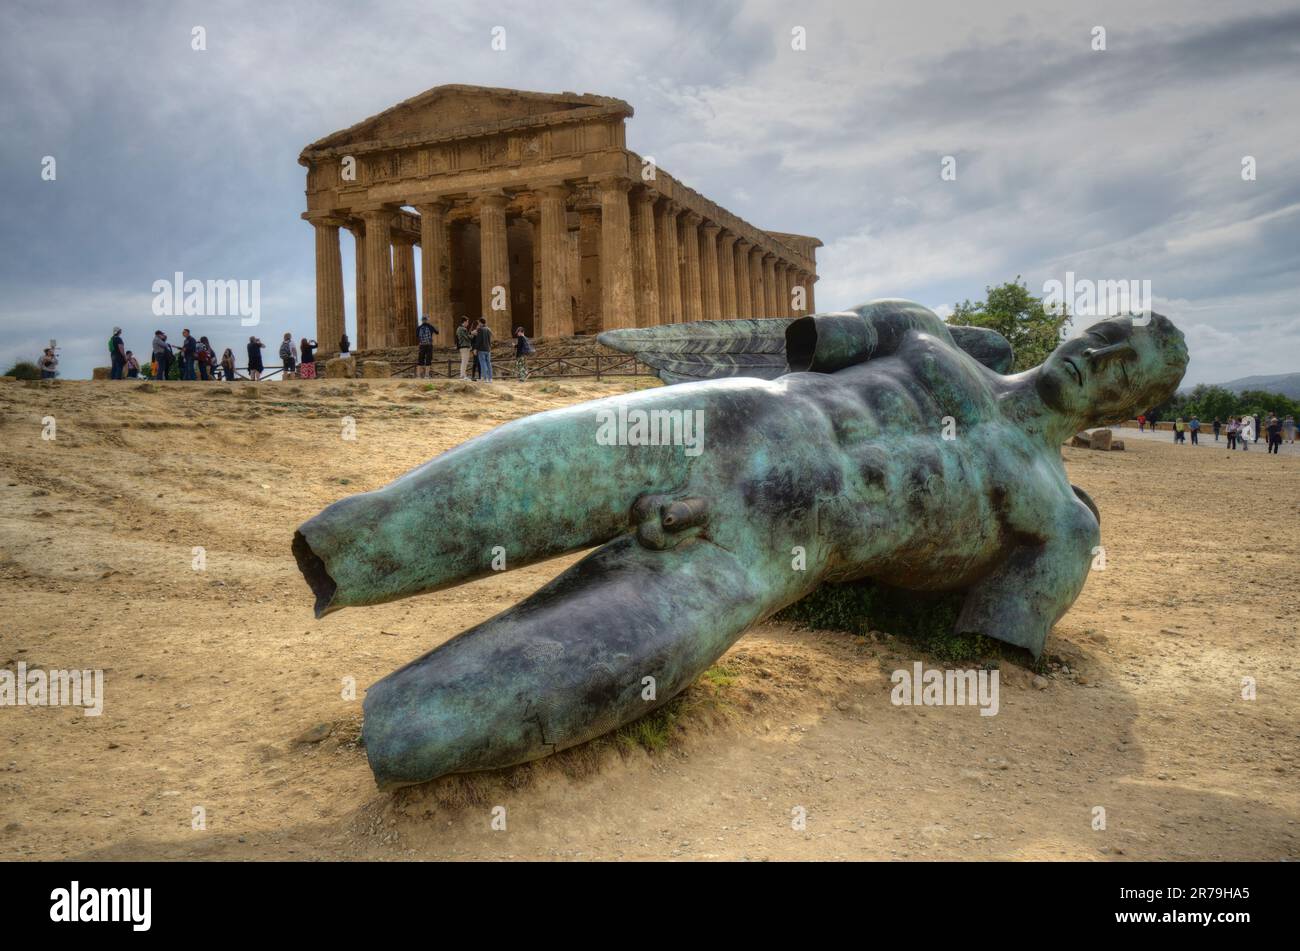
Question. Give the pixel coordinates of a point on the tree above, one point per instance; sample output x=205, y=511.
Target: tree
x=1020, y=317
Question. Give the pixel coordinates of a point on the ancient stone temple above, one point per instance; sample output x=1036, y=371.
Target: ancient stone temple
x=529, y=209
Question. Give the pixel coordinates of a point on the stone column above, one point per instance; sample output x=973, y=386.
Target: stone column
x=692, y=288
x=782, y=289
x=329, y=284
x=670, y=273
x=646, y=254
x=756, y=290
x=809, y=280
x=744, y=297
x=709, y=277
x=379, y=278
x=358, y=230
x=769, y=286
x=405, y=306
x=435, y=270
x=494, y=264
x=796, y=281
x=727, y=274
x=556, y=314
x=617, y=303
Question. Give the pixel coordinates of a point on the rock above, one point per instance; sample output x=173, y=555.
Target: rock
x=1081, y=441
x=101, y=373
x=314, y=735
x=1117, y=444
x=1040, y=682
x=340, y=368
x=1101, y=439
x=377, y=369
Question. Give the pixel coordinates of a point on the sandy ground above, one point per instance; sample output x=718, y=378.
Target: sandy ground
x=211, y=675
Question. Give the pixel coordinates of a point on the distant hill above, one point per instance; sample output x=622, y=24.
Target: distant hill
x=1286, y=384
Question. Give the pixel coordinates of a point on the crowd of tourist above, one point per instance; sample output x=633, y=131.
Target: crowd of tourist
x=1239, y=432
x=195, y=358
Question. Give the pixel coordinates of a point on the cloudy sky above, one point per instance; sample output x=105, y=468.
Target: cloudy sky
x=1122, y=163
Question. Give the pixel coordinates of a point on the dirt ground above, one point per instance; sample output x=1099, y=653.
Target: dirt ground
x=212, y=677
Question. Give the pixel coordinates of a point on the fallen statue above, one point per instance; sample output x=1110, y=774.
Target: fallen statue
x=875, y=443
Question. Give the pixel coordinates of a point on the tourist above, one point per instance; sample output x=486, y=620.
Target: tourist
x=1246, y=434
x=1288, y=430
x=1217, y=426
x=132, y=366
x=1233, y=428
x=1194, y=427
x=206, y=357
x=1151, y=421
x=288, y=355
x=162, y=355
x=475, y=370
x=1257, y=429
x=307, y=369
x=523, y=347
x=1142, y=423
x=1274, y=434
x=424, y=336
x=189, y=353
x=228, y=366
x=464, y=346
x=1180, y=430
x=344, y=345
x=483, y=344
x=255, y=358
x=116, y=354
x=49, y=364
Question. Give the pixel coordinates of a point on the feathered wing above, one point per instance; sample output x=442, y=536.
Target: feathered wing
x=755, y=347
x=707, y=349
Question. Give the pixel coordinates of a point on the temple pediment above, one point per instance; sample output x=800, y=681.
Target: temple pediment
x=456, y=111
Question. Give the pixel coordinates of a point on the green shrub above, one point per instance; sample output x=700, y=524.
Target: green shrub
x=24, y=370
x=926, y=620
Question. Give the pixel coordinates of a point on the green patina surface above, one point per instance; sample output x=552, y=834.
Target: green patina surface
x=903, y=455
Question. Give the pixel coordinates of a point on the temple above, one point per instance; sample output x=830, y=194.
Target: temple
x=528, y=208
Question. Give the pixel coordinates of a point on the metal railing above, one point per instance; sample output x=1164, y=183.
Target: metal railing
x=542, y=368
x=575, y=366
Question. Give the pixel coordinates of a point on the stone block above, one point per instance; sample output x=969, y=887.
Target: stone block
x=340, y=368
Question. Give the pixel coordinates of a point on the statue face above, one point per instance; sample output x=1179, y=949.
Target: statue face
x=1115, y=368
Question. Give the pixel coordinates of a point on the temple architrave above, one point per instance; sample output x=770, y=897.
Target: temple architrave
x=528, y=208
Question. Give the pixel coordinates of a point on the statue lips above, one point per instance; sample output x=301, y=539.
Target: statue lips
x=805, y=477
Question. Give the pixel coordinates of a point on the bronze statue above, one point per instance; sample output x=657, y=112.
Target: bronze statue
x=875, y=443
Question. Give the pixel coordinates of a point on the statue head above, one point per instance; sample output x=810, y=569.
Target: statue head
x=1116, y=367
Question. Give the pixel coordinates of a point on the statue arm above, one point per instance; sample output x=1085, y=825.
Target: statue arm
x=1029, y=592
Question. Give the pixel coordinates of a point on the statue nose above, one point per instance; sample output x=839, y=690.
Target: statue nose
x=1099, y=356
